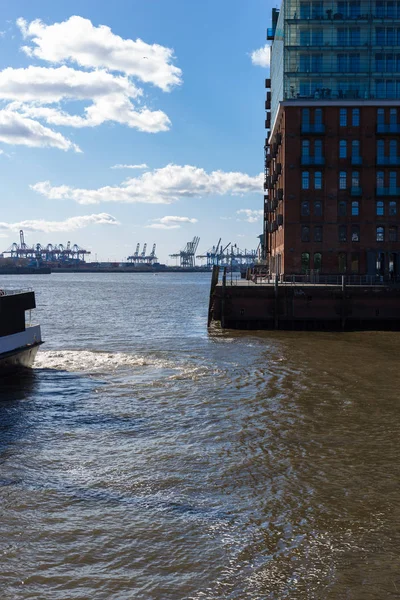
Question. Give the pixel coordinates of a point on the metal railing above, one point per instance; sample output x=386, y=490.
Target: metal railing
x=13, y=292
x=310, y=280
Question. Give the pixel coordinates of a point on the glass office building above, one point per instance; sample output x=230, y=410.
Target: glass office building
x=335, y=50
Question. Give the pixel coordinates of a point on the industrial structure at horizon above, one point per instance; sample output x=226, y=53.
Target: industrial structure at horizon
x=332, y=160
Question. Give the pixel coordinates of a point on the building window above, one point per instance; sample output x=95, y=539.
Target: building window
x=318, y=233
x=355, y=179
x=355, y=149
x=392, y=181
x=355, y=117
x=392, y=208
x=343, y=113
x=393, y=115
x=305, y=148
x=381, y=111
x=355, y=208
x=318, y=116
x=355, y=262
x=305, y=180
x=305, y=209
x=342, y=208
x=305, y=233
x=342, y=149
x=318, y=149
x=342, y=180
x=342, y=233
x=380, y=149
x=305, y=262
x=317, y=209
x=317, y=261
x=305, y=116
x=393, y=148
x=380, y=208
x=318, y=180
x=380, y=234
x=355, y=233
x=380, y=181
x=393, y=234
x=342, y=262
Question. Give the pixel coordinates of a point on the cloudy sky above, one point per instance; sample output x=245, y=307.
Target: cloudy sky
x=131, y=121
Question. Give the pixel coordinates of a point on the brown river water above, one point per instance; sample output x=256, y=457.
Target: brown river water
x=148, y=458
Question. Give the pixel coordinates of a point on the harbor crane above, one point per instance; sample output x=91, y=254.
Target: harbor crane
x=46, y=253
x=187, y=255
x=143, y=258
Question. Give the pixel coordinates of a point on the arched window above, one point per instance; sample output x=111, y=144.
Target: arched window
x=392, y=182
x=355, y=147
x=318, y=209
x=318, y=180
x=342, y=149
x=317, y=261
x=355, y=262
x=393, y=148
x=305, y=233
x=355, y=179
x=305, y=262
x=342, y=262
x=305, y=148
x=355, y=233
x=393, y=234
x=393, y=116
x=318, y=233
x=380, y=179
x=392, y=208
x=342, y=206
x=305, y=209
x=355, y=208
x=355, y=117
x=342, y=233
x=318, y=116
x=305, y=180
x=318, y=149
x=342, y=180
x=343, y=115
x=380, y=208
x=381, y=114
x=305, y=116
x=380, y=234
x=380, y=144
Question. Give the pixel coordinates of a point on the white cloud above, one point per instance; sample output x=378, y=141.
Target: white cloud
x=71, y=224
x=162, y=226
x=261, y=57
x=31, y=91
x=160, y=186
x=170, y=222
x=17, y=129
x=171, y=219
x=141, y=166
x=36, y=96
x=251, y=216
x=79, y=41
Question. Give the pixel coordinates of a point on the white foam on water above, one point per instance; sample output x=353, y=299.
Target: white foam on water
x=90, y=361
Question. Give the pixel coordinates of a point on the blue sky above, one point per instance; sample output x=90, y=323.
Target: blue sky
x=166, y=86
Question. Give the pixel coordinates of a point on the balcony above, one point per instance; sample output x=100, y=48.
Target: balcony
x=280, y=194
x=356, y=160
x=271, y=33
x=312, y=160
x=388, y=191
x=388, y=128
x=388, y=160
x=313, y=128
x=356, y=191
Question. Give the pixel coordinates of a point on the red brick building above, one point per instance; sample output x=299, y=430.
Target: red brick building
x=332, y=191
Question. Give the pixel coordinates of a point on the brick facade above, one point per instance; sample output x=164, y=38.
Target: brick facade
x=333, y=177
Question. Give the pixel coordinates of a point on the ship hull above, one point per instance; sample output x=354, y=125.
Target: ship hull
x=20, y=358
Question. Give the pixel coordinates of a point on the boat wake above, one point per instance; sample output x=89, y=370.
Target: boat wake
x=92, y=361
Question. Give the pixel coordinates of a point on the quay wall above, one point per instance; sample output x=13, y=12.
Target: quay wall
x=326, y=307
